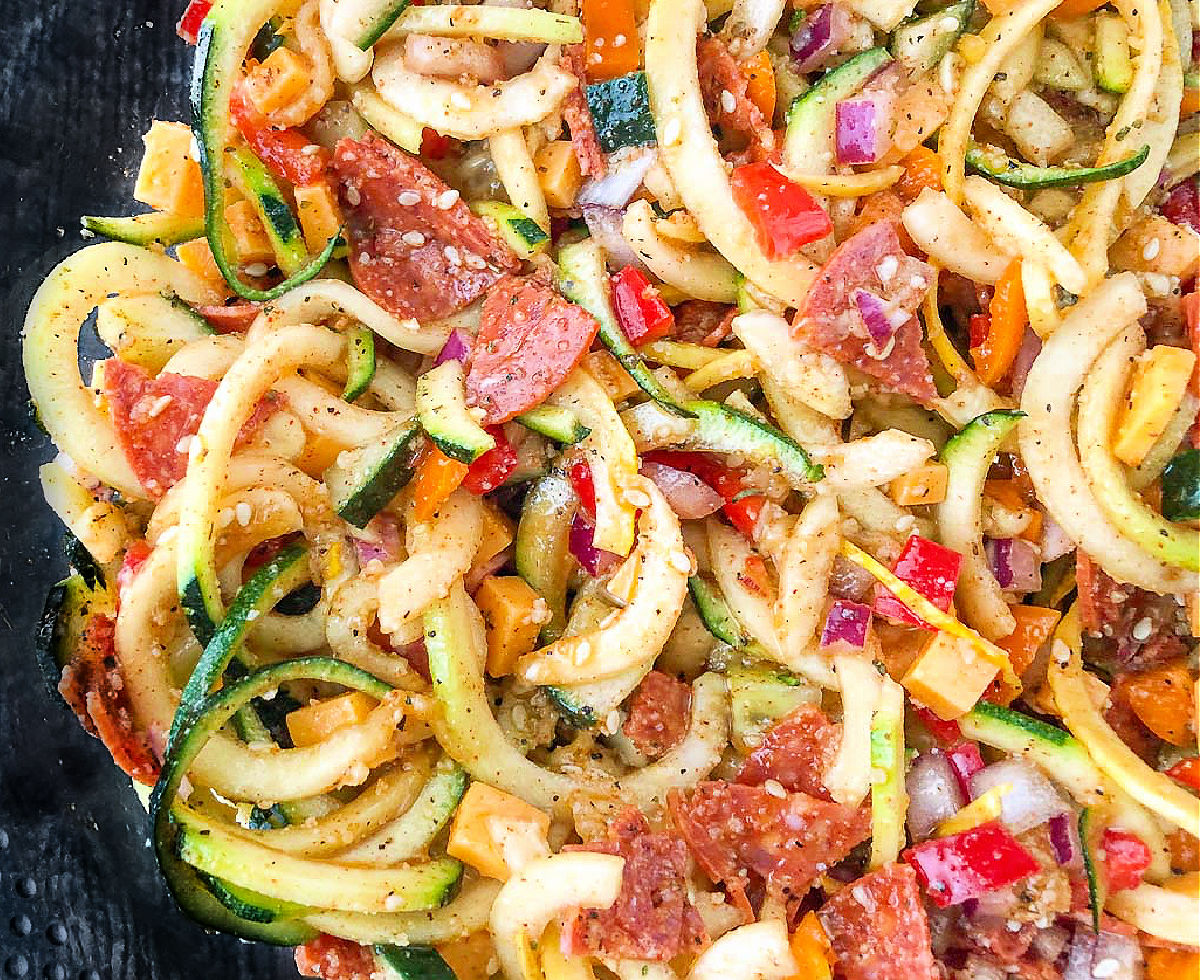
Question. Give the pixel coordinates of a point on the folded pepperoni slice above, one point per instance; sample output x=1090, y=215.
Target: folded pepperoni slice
x=652, y=918
x=658, y=713
x=529, y=340
x=878, y=928
x=94, y=688
x=331, y=958
x=415, y=246
x=795, y=753
x=738, y=833
x=831, y=321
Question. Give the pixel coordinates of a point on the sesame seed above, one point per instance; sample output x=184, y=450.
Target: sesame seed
x=414, y=238
x=446, y=200
x=1151, y=250
x=728, y=102
x=409, y=198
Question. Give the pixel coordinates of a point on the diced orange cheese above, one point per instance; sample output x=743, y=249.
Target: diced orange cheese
x=320, y=217
x=197, y=257
x=169, y=178
x=1158, y=386
x=249, y=236
x=616, y=381
x=924, y=485
x=279, y=81
x=469, y=958
x=497, y=534
x=487, y=819
x=558, y=173
x=317, y=721
x=510, y=616
x=760, y=83
x=680, y=226
x=949, y=676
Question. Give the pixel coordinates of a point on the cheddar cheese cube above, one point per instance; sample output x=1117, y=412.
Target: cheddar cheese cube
x=510, y=610
x=1159, y=383
x=169, y=178
x=924, y=485
x=497, y=833
x=949, y=676
x=315, y=722
x=250, y=239
x=278, y=81
x=320, y=217
x=558, y=173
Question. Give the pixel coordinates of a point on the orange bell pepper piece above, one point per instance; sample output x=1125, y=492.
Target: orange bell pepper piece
x=1172, y=964
x=610, y=38
x=1070, y=9
x=437, y=477
x=922, y=168
x=760, y=79
x=1008, y=493
x=810, y=948
x=994, y=357
x=1162, y=700
x=1035, y=626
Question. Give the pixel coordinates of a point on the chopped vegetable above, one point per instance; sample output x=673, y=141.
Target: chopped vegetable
x=784, y=215
x=492, y=830
x=971, y=864
x=1007, y=318
x=927, y=567
x=924, y=485
x=1159, y=382
x=509, y=608
x=436, y=478
x=640, y=309
x=610, y=38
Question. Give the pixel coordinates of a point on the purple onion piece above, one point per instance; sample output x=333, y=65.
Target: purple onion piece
x=1063, y=839
x=999, y=552
x=604, y=225
x=847, y=623
x=1015, y=563
x=874, y=315
x=580, y=542
x=818, y=36
x=856, y=131
x=456, y=348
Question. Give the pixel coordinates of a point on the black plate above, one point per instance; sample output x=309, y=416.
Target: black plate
x=80, y=898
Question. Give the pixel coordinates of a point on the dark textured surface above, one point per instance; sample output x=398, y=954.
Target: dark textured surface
x=79, y=894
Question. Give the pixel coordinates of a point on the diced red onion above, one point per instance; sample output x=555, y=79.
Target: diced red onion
x=474, y=578
x=1050, y=942
x=847, y=623
x=874, y=315
x=856, y=131
x=1015, y=563
x=369, y=551
x=1032, y=799
x=1105, y=954
x=965, y=760
x=1182, y=204
x=818, y=37
x=604, y=224
x=1055, y=542
x=850, y=581
x=595, y=561
x=626, y=171
x=456, y=348
x=1031, y=346
x=1064, y=839
x=933, y=793
x=689, y=496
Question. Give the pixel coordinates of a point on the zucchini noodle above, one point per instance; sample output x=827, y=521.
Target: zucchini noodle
x=804, y=566
x=1048, y=448
x=814, y=378
x=514, y=164
x=689, y=152
x=699, y=273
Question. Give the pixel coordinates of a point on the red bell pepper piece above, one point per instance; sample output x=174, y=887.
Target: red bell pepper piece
x=135, y=557
x=977, y=861
x=979, y=325
x=965, y=760
x=1126, y=858
x=288, y=153
x=784, y=215
x=580, y=476
x=940, y=728
x=434, y=146
x=188, y=27
x=1186, y=771
x=643, y=314
x=495, y=466
x=730, y=483
x=930, y=569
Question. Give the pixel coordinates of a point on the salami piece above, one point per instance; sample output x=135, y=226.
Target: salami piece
x=652, y=918
x=738, y=832
x=830, y=320
x=795, y=753
x=726, y=91
x=415, y=246
x=331, y=958
x=878, y=928
x=529, y=340
x=578, y=117
x=658, y=714
x=94, y=688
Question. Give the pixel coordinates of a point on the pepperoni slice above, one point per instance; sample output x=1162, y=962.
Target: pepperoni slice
x=878, y=928
x=529, y=340
x=331, y=958
x=1113, y=609
x=230, y=317
x=415, y=246
x=652, y=918
x=578, y=117
x=658, y=713
x=154, y=417
x=795, y=753
x=738, y=831
x=726, y=92
x=701, y=321
x=829, y=320
x=94, y=688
